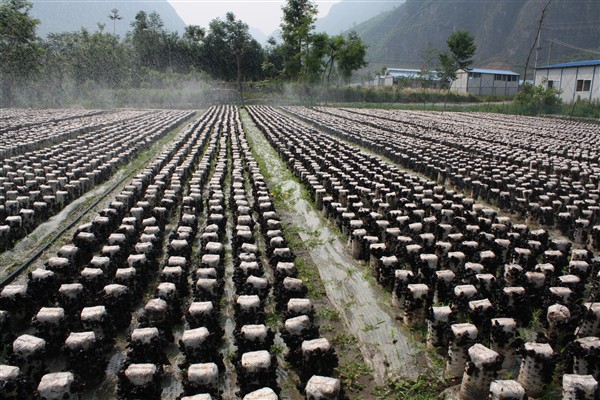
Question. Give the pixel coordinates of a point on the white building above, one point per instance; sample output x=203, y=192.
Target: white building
x=485, y=82
x=579, y=79
x=414, y=78
x=406, y=77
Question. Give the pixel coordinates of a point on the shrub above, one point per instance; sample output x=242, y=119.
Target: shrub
x=537, y=99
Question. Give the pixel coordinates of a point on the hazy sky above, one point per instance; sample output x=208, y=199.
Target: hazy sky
x=264, y=15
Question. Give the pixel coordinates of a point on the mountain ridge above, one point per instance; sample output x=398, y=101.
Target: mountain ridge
x=69, y=16
x=347, y=13
x=504, y=30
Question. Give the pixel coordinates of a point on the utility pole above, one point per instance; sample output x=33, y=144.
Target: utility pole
x=537, y=47
x=550, y=51
x=539, y=28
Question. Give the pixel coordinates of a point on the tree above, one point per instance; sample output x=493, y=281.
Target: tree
x=351, y=55
x=299, y=17
x=20, y=51
x=194, y=33
x=273, y=64
x=86, y=58
x=227, y=46
x=333, y=51
x=462, y=48
x=314, y=64
x=154, y=47
x=114, y=17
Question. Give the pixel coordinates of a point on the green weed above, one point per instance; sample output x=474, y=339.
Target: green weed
x=351, y=372
x=329, y=313
x=343, y=339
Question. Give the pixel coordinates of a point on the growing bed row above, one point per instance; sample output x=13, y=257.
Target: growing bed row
x=36, y=185
x=554, y=190
x=28, y=130
x=86, y=295
x=471, y=276
x=90, y=288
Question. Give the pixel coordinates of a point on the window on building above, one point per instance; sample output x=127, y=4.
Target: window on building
x=550, y=84
x=583, y=85
x=474, y=75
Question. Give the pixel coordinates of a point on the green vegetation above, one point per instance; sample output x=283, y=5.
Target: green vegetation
x=461, y=49
x=372, y=327
x=344, y=339
x=537, y=99
x=424, y=387
x=350, y=374
x=153, y=67
x=310, y=275
x=329, y=313
x=277, y=349
x=20, y=52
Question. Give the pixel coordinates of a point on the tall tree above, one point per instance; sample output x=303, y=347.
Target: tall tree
x=238, y=40
x=314, y=60
x=114, y=17
x=333, y=49
x=299, y=17
x=152, y=45
x=20, y=51
x=461, y=49
x=226, y=49
x=351, y=55
x=86, y=58
x=273, y=64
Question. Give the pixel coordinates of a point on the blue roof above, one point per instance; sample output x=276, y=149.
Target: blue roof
x=573, y=64
x=491, y=71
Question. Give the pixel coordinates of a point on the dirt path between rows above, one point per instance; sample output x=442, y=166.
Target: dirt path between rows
x=387, y=347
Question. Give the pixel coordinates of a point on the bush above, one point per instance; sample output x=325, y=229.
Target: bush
x=537, y=99
x=583, y=109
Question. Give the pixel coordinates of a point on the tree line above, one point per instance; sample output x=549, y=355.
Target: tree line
x=149, y=55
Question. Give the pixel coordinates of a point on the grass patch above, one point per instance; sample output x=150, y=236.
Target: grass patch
x=295, y=242
x=273, y=320
x=277, y=349
x=343, y=339
x=424, y=387
x=350, y=374
x=329, y=313
x=311, y=278
x=372, y=327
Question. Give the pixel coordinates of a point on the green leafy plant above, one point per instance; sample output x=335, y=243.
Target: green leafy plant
x=329, y=313
x=351, y=372
x=537, y=99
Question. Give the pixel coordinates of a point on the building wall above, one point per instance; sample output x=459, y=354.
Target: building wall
x=485, y=85
x=565, y=79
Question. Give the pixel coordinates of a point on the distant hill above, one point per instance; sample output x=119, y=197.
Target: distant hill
x=348, y=13
x=68, y=16
x=504, y=31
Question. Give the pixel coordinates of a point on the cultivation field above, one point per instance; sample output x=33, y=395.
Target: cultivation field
x=318, y=253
